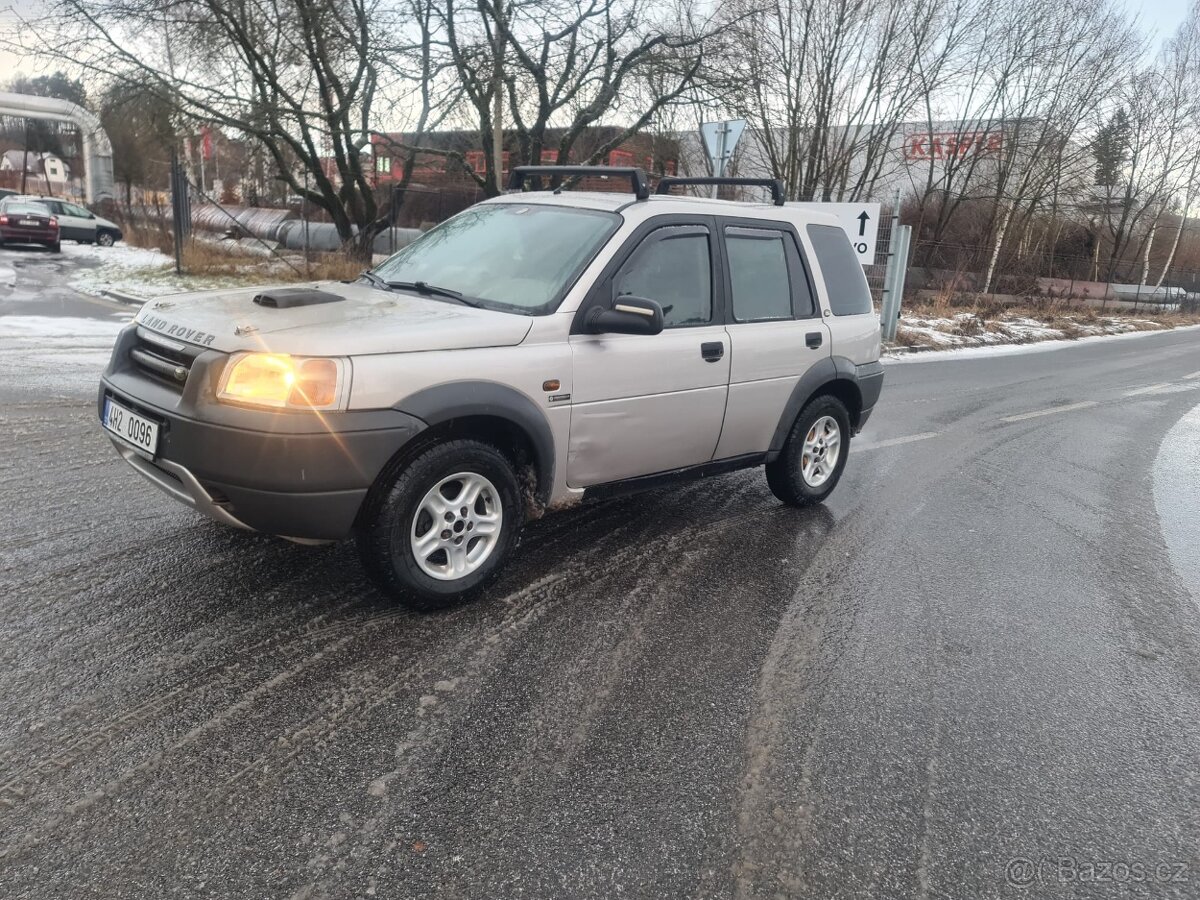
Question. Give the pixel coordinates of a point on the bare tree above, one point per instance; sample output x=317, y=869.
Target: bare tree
x=302, y=79
x=1060, y=61
x=568, y=65
x=826, y=85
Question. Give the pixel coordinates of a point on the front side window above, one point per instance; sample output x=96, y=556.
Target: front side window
x=674, y=268
x=513, y=257
x=758, y=274
x=844, y=279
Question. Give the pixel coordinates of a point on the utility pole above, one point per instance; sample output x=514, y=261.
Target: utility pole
x=498, y=99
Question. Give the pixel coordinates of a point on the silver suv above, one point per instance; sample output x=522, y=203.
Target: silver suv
x=537, y=350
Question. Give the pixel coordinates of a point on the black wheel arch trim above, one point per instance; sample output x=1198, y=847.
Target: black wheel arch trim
x=865, y=381
x=447, y=402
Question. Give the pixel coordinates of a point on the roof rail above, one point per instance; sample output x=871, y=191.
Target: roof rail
x=636, y=176
x=774, y=184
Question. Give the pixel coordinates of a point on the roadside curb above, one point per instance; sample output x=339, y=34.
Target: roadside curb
x=122, y=297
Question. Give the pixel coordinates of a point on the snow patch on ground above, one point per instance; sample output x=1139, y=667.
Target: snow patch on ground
x=969, y=330
x=119, y=255
x=137, y=271
x=1007, y=349
x=56, y=328
x=1177, y=496
x=56, y=347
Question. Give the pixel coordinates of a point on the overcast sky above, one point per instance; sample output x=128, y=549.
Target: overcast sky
x=1160, y=18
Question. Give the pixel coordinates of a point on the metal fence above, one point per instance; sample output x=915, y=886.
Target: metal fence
x=877, y=272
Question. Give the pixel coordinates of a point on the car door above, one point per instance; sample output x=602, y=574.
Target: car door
x=775, y=330
x=76, y=223
x=644, y=404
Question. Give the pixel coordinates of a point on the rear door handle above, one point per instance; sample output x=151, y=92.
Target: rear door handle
x=813, y=339
x=712, y=350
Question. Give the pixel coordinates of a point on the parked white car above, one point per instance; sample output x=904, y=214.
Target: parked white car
x=537, y=350
x=76, y=223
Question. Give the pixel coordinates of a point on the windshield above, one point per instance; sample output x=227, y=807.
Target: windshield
x=508, y=256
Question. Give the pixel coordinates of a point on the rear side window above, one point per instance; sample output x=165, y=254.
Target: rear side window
x=844, y=278
x=758, y=273
x=673, y=267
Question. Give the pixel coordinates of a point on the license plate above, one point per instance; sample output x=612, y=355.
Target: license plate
x=128, y=425
x=31, y=222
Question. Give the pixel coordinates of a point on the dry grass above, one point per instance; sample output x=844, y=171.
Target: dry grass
x=1070, y=321
x=326, y=267
x=208, y=258
x=147, y=236
x=1056, y=313
x=908, y=338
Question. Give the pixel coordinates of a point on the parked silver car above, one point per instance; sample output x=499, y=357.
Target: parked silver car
x=539, y=349
x=77, y=223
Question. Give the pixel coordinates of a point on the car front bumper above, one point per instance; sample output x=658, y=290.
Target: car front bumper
x=296, y=474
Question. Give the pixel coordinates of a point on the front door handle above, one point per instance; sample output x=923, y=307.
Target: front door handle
x=712, y=350
x=813, y=339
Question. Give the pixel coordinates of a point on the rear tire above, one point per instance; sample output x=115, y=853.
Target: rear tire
x=56, y=247
x=814, y=454
x=415, y=540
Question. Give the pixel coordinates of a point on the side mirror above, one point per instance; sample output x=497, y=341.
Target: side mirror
x=627, y=315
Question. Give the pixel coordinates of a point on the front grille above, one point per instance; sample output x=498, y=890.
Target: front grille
x=167, y=361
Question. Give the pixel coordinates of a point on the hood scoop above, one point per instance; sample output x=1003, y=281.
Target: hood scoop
x=288, y=298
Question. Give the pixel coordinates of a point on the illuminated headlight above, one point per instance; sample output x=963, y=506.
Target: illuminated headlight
x=283, y=382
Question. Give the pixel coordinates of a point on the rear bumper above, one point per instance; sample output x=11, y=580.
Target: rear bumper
x=11, y=235
x=870, y=383
x=294, y=475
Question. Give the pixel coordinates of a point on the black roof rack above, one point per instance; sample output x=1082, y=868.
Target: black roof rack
x=636, y=176
x=774, y=184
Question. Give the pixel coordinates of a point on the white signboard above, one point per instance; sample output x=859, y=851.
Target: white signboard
x=860, y=222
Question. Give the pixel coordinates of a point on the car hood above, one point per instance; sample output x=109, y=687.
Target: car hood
x=105, y=223
x=366, y=320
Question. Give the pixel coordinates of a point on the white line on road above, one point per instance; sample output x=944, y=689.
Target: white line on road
x=1087, y=404
x=1149, y=389
x=893, y=442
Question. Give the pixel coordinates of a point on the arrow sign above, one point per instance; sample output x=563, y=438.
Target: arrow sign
x=860, y=221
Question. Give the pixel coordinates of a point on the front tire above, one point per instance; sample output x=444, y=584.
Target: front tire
x=814, y=455
x=105, y=239
x=444, y=526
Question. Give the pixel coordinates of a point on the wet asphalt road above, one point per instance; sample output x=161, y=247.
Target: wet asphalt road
x=984, y=648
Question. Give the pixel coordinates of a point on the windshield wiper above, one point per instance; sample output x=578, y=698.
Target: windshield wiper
x=374, y=279
x=432, y=290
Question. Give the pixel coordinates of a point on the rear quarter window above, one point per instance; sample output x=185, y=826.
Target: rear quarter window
x=844, y=279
